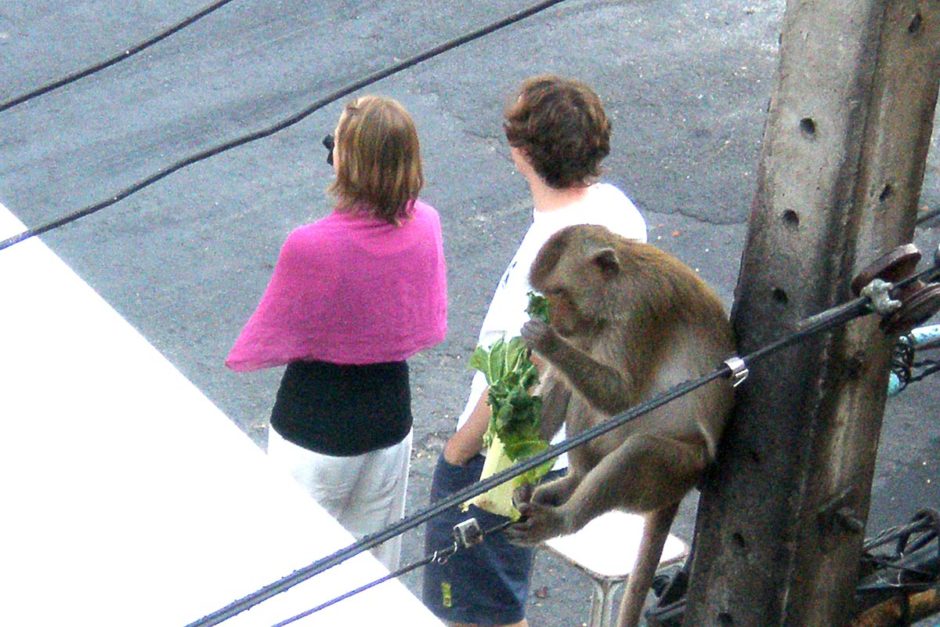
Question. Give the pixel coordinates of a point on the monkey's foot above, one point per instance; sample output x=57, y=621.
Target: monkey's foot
x=538, y=523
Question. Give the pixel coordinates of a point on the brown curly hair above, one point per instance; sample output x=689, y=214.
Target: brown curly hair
x=378, y=159
x=561, y=126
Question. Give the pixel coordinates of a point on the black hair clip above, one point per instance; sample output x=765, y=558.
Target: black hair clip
x=329, y=143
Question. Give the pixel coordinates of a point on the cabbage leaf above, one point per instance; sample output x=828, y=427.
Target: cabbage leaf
x=513, y=431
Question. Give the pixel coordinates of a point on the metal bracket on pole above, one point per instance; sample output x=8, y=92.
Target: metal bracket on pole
x=739, y=370
x=879, y=293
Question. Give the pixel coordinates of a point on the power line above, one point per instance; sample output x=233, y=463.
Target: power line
x=290, y=121
x=929, y=215
x=410, y=522
x=127, y=54
x=441, y=555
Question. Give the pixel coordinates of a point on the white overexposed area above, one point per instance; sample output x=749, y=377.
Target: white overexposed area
x=127, y=497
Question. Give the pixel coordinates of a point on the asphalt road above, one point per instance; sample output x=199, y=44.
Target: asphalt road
x=686, y=84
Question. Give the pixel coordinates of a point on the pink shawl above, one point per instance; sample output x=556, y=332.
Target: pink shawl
x=350, y=289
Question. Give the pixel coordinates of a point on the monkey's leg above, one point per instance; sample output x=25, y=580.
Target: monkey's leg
x=645, y=473
x=656, y=527
x=552, y=492
x=556, y=492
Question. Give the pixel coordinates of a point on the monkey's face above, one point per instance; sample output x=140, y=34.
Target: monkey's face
x=577, y=292
x=563, y=313
x=576, y=270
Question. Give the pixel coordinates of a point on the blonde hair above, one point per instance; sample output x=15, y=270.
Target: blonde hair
x=378, y=159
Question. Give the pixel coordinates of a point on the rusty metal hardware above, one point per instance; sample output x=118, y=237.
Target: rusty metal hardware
x=919, y=300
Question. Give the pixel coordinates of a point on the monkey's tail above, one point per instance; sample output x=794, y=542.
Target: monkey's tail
x=655, y=531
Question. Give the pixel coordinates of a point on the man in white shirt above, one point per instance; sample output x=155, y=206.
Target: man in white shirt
x=558, y=135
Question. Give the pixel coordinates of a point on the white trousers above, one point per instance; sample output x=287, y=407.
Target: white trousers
x=365, y=493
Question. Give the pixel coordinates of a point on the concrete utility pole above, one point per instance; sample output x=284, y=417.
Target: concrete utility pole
x=781, y=519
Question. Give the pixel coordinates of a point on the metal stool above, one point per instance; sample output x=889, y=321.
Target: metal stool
x=606, y=550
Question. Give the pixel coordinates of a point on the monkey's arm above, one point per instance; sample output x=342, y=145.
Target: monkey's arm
x=606, y=389
x=555, y=396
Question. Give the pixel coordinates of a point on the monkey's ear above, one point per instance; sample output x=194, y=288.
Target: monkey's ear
x=606, y=259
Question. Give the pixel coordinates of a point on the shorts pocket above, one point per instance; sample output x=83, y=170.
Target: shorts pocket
x=449, y=478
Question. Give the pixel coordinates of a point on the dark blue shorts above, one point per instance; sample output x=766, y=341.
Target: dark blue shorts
x=487, y=583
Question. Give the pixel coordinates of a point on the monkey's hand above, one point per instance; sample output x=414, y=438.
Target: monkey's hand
x=554, y=493
x=538, y=523
x=522, y=494
x=540, y=337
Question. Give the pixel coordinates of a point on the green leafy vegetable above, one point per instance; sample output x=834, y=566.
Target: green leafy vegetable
x=538, y=307
x=515, y=414
x=513, y=432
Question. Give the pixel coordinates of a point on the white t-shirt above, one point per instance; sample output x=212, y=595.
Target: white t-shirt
x=603, y=204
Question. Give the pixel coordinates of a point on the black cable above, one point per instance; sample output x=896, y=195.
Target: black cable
x=837, y=315
x=810, y=326
x=420, y=517
x=398, y=573
x=127, y=54
x=441, y=554
x=821, y=322
x=290, y=121
x=933, y=213
x=930, y=367
x=922, y=531
x=891, y=534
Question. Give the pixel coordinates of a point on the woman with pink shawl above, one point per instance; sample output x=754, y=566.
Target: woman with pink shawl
x=352, y=297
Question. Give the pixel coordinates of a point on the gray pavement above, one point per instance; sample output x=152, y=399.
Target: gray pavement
x=686, y=84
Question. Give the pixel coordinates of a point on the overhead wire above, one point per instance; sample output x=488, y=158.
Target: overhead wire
x=824, y=321
x=919, y=533
x=928, y=215
x=439, y=555
x=927, y=368
x=410, y=522
x=121, y=56
x=821, y=322
x=279, y=126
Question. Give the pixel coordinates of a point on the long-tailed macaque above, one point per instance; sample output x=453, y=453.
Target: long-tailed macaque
x=627, y=322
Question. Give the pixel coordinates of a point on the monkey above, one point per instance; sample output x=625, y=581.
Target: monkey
x=627, y=321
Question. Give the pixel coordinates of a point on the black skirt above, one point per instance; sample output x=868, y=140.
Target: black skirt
x=343, y=410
